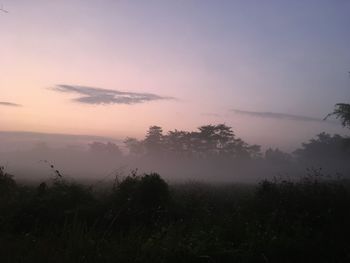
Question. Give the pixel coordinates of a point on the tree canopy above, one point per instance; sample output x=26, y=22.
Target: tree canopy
x=208, y=141
x=324, y=147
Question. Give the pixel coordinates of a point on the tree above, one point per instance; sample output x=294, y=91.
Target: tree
x=134, y=146
x=154, y=140
x=323, y=148
x=7, y=184
x=342, y=112
x=216, y=139
x=176, y=142
x=219, y=140
x=209, y=141
x=277, y=156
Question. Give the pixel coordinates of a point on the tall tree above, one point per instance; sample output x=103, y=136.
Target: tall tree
x=176, y=143
x=154, y=140
x=220, y=140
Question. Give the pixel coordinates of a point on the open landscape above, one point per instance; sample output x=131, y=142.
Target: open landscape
x=174, y=131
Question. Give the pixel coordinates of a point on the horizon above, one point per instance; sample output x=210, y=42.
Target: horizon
x=174, y=130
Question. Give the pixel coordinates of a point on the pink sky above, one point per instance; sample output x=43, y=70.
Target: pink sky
x=212, y=57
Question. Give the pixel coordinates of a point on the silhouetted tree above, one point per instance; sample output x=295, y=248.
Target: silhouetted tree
x=277, y=156
x=219, y=140
x=342, y=112
x=324, y=148
x=209, y=141
x=176, y=143
x=7, y=184
x=242, y=150
x=134, y=146
x=154, y=140
x=203, y=142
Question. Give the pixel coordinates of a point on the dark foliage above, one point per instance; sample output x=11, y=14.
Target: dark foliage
x=142, y=219
x=325, y=148
x=219, y=144
x=341, y=111
x=7, y=184
x=141, y=200
x=210, y=141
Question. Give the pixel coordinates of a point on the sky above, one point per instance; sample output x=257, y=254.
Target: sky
x=270, y=69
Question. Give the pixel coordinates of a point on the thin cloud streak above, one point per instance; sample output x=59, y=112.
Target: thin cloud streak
x=99, y=96
x=9, y=104
x=280, y=116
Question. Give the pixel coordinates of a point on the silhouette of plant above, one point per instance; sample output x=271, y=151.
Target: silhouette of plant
x=208, y=142
x=140, y=198
x=324, y=147
x=7, y=184
x=341, y=111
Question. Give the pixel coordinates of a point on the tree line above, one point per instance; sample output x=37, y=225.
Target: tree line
x=208, y=141
x=220, y=141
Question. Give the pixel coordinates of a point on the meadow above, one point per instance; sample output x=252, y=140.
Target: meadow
x=142, y=218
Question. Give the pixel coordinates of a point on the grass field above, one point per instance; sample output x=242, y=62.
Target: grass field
x=140, y=218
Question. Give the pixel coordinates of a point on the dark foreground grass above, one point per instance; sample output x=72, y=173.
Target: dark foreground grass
x=142, y=219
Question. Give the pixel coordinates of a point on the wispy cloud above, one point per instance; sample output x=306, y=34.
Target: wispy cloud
x=9, y=104
x=91, y=95
x=281, y=116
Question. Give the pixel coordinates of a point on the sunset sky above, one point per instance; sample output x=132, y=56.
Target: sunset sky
x=270, y=69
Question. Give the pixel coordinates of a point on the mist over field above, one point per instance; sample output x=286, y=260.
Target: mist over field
x=211, y=154
x=174, y=131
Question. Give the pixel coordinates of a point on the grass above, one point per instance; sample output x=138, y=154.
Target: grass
x=141, y=218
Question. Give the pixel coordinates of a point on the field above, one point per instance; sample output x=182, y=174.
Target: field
x=141, y=218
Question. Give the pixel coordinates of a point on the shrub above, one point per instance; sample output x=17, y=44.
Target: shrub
x=7, y=184
x=140, y=199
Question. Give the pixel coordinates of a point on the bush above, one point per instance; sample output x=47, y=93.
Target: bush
x=49, y=207
x=144, y=220
x=308, y=215
x=7, y=184
x=140, y=199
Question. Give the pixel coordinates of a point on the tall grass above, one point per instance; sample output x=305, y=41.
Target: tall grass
x=141, y=218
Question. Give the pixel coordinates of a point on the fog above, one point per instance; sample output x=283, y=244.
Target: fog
x=213, y=154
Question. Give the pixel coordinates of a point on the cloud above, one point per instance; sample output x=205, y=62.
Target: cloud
x=9, y=104
x=281, y=116
x=90, y=95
